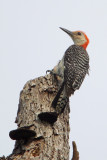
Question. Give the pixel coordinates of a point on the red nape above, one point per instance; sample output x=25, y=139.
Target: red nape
x=86, y=43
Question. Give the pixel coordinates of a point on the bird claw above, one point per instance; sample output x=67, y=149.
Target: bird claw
x=53, y=75
x=50, y=71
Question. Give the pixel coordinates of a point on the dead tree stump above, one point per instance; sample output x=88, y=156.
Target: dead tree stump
x=51, y=141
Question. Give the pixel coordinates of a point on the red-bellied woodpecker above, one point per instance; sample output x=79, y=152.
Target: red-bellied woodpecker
x=71, y=70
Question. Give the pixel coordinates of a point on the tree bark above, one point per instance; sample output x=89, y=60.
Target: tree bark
x=51, y=141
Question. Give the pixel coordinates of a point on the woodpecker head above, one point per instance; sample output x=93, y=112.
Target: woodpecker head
x=79, y=37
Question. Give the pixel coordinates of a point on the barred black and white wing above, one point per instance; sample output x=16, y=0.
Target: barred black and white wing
x=76, y=62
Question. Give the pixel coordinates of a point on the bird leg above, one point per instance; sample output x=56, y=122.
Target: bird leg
x=55, y=75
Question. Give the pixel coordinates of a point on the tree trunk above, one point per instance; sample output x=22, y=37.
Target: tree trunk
x=51, y=141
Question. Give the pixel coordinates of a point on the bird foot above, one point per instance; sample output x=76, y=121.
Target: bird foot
x=53, y=73
x=50, y=71
x=55, y=76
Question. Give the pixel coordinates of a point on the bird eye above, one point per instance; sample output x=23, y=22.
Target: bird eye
x=79, y=33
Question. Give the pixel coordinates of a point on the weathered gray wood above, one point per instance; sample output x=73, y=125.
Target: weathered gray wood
x=51, y=141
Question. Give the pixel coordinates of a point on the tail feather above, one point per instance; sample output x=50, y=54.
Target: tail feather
x=54, y=103
x=60, y=100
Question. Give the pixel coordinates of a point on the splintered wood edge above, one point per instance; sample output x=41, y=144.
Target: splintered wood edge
x=75, y=152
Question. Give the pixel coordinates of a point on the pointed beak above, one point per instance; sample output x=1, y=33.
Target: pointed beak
x=67, y=31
